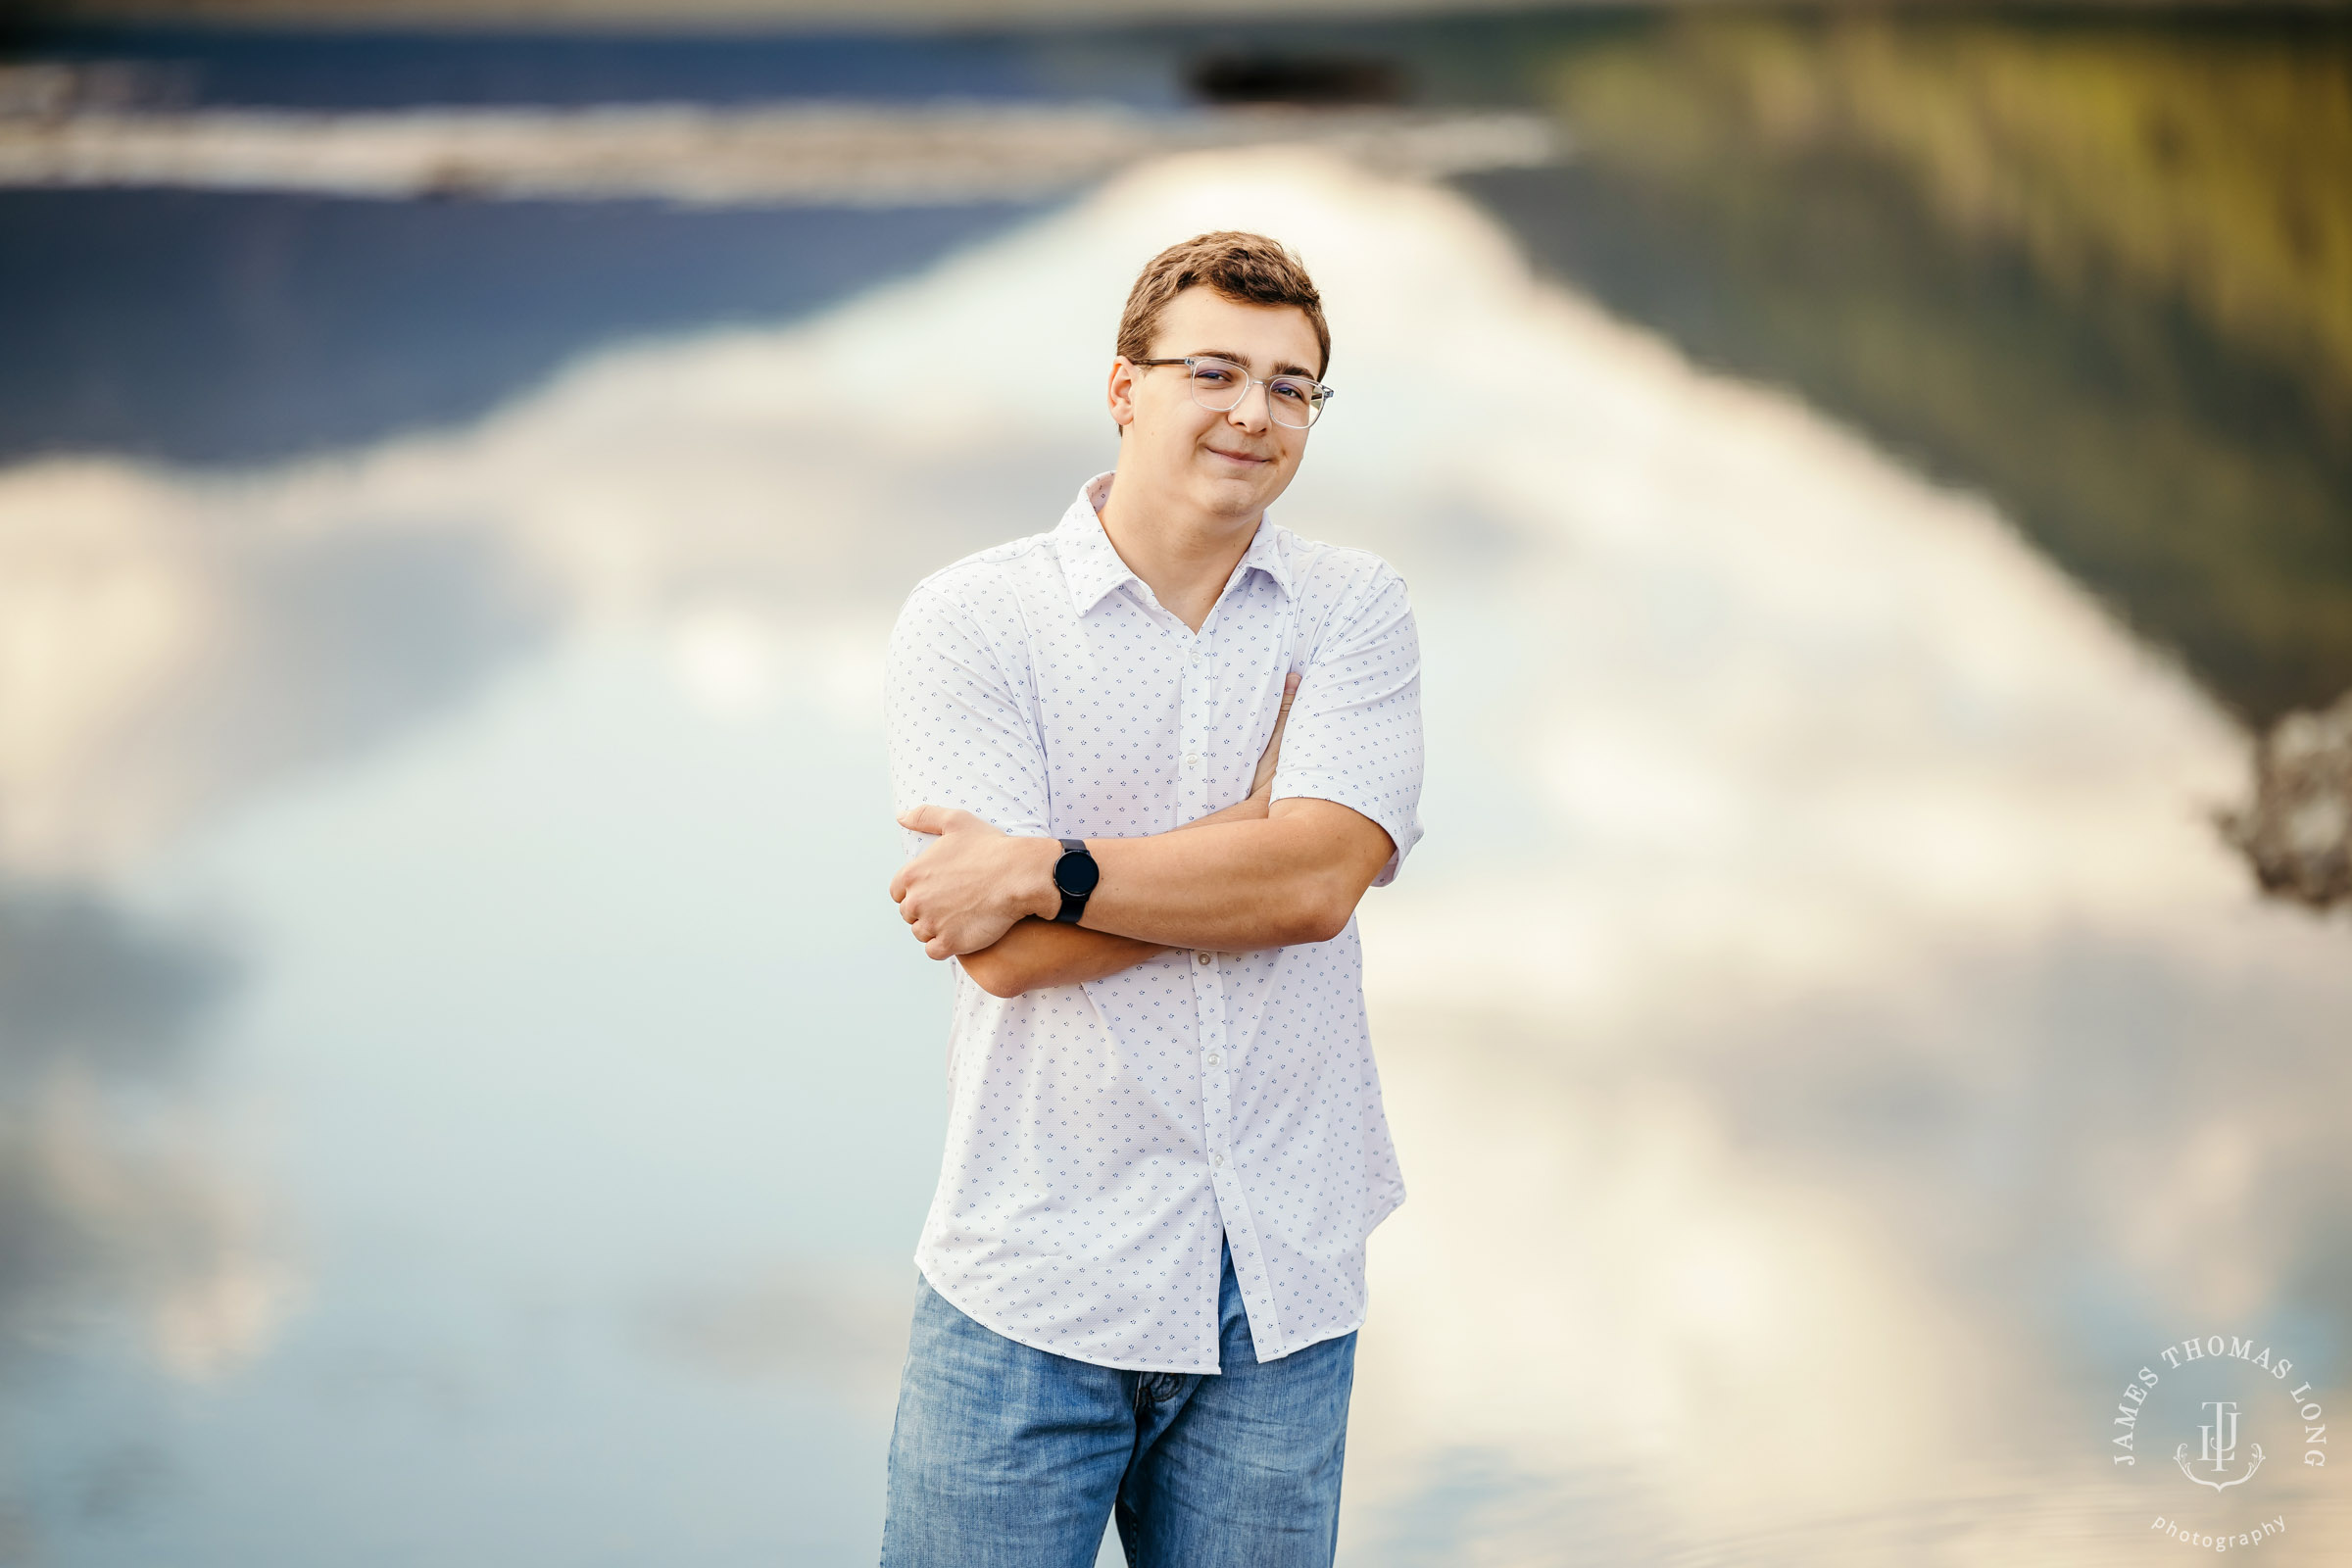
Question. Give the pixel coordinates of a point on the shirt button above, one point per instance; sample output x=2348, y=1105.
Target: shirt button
x=1218, y=1161
x=1204, y=959
x=1192, y=759
x=1212, y=1059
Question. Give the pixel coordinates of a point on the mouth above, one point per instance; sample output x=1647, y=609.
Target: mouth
x=1244, y=458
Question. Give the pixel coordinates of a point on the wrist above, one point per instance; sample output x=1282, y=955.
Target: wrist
x=1033, y=890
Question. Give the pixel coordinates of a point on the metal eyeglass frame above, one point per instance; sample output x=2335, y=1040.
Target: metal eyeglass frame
x=1323, y=394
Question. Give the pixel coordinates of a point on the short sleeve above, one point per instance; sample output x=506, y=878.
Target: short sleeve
x=1355, y=731
x=959, y=726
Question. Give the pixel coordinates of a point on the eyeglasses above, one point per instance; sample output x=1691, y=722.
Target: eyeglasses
x=1220, y=385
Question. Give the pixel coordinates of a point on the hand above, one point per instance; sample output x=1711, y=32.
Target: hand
x=964, y=892
x=1253, y=807
x=1261, y=783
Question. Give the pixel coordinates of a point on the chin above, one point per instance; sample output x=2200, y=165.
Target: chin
x=1237, y=494
x=1219, y=474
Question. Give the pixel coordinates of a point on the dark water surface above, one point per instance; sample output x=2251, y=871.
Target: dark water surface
x=220, y=328
x=463, y=1096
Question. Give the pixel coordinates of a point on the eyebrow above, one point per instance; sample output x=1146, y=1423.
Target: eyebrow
x=1242, y=359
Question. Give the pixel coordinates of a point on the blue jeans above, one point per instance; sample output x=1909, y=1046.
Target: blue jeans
x=1006, y=1456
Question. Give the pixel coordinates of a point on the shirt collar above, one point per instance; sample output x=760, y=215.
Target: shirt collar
x=1266, y=556
x=1093, y=568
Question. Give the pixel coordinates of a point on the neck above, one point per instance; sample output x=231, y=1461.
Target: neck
x=1184, y=554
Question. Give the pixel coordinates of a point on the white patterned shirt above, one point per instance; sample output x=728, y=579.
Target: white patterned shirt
x=1102, y=1138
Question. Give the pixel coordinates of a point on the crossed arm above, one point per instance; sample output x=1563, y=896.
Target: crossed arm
x=1261, y=873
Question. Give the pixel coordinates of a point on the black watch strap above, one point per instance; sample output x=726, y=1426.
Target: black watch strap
x=1074, y=877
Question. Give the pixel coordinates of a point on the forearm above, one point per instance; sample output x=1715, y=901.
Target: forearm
x=1035, y=953
x=1236, y=886
x=1038, y=952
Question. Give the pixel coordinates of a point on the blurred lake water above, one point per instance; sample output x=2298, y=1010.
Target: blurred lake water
x=464, y=1096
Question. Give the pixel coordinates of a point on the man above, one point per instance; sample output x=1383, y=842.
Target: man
x=1151, y=760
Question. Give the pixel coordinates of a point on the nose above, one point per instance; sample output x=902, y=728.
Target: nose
x=1256, y=411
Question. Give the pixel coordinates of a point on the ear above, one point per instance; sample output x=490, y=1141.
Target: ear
x=1121, y=393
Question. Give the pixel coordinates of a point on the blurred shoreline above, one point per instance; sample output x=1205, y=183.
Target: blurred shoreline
x=860, y=155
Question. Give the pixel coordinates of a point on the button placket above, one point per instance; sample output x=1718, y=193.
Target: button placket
x=1216, y=1089
x=1192, y=724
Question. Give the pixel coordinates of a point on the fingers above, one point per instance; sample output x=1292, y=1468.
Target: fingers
x=1282, y=716
x=938, y=820
x=1271, y=756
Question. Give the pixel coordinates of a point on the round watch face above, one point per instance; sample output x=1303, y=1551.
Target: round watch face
x=1076, y=874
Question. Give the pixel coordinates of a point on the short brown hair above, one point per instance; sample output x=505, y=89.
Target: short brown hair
x=1247, y=269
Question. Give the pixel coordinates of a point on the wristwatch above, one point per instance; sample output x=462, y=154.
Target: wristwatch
x=1074, y=876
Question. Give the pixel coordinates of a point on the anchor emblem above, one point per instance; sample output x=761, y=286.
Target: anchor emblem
x=2218, y=1448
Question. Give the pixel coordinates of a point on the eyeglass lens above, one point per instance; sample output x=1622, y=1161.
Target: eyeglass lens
x=1221, y=384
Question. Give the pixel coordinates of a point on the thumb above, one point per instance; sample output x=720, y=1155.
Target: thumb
x=924, y=819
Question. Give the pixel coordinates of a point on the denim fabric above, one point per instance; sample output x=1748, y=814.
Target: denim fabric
x=1006, y=1456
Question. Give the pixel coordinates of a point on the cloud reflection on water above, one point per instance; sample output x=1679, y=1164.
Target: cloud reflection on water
x=111, y=1198
x=1827, y=1046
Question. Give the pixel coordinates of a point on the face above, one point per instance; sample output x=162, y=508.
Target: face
x=1231, y=464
